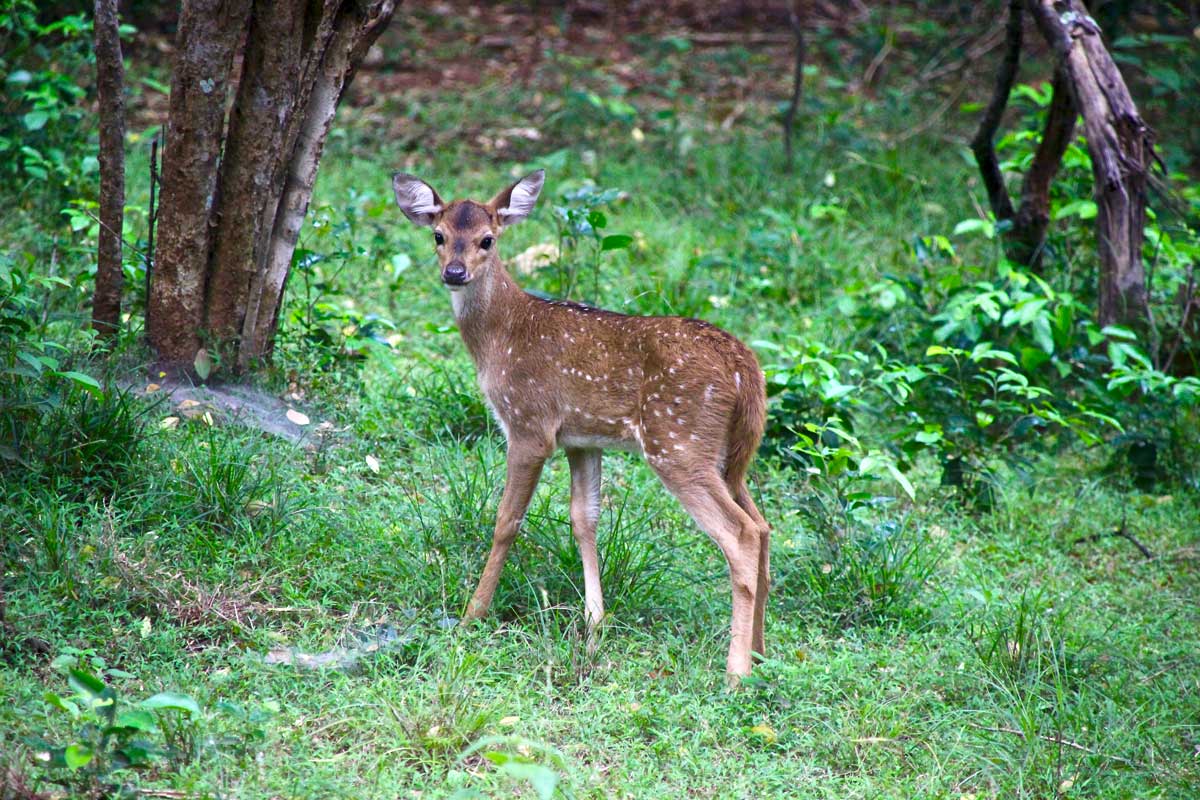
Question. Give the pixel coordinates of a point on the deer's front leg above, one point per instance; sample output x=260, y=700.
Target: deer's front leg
x=585, y=510
x=524, y=468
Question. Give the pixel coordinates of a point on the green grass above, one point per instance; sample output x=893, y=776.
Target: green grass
x=942, y=654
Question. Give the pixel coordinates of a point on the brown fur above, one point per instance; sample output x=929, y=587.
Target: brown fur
x=687, y=395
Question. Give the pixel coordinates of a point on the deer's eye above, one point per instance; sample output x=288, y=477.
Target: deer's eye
x=486, y=242
x=438, y=238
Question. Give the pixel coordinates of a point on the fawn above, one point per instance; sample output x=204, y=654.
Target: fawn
x=687, y=395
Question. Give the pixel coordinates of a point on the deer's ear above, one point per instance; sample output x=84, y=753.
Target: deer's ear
x=416, y=198
x=516, y=202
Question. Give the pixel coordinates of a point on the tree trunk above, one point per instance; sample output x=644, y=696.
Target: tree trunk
x=209, y=33
x=226, y=289
x=354, y=30
x=110, y=85
x=983, y=145
x=251, y=167
x=1121, y=146
x=1026, y=241
x=797, y=18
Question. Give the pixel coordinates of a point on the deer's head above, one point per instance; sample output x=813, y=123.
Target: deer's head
x=464, y=231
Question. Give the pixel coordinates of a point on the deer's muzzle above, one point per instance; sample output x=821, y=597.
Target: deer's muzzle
x=455, y=274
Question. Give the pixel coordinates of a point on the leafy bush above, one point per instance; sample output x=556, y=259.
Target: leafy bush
x=856, y=560
x=113, y=738
x=56, y=422
x=582, y=241
x=977, y=375
x=41, y=98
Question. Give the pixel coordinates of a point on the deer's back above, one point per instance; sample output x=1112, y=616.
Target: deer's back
x=585, y=377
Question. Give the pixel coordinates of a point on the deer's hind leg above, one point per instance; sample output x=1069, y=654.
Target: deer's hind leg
x=709, y=502
x=585, y=510
x=741, y=495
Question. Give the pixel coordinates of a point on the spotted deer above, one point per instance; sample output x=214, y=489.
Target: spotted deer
x=686, y=395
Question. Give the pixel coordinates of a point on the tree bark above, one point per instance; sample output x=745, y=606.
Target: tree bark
x=299, y=58
x=355, y=28
x=1121, y=146
x=110, y=86
x=252, y=167
x=209, y=33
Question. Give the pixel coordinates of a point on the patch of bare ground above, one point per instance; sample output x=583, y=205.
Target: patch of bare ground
x=236, y=404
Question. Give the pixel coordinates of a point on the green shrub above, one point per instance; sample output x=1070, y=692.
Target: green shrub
x=113, y=739
x=42, y=99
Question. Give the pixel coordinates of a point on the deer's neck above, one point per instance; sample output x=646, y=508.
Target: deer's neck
x=486, y=310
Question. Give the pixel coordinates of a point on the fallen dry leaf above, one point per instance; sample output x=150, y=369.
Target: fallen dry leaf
x=296, y=417
x=765, y=732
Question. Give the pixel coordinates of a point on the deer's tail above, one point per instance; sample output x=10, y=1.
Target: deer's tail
x=746, y=424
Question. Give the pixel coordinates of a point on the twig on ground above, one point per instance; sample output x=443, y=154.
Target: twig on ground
x=1062, y=741
x=1123, y=532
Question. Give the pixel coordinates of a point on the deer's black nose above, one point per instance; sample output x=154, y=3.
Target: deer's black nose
x=455, y=274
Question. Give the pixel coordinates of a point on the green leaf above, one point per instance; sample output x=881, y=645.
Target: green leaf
x=64, y=661
x=172, y=700
x=137, y=719
x=32, y=360
x=203, y=364
x=931, y=435
x=77, y=755
x=1032, y=358
x=85, y=683
x=1084, y=209
x=1042, y=335
x=85, y=382
x=617, y=241
x=901, y=479
x=62, y=704
x=1119, y=332
x=975, y=225
x=35, y=120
